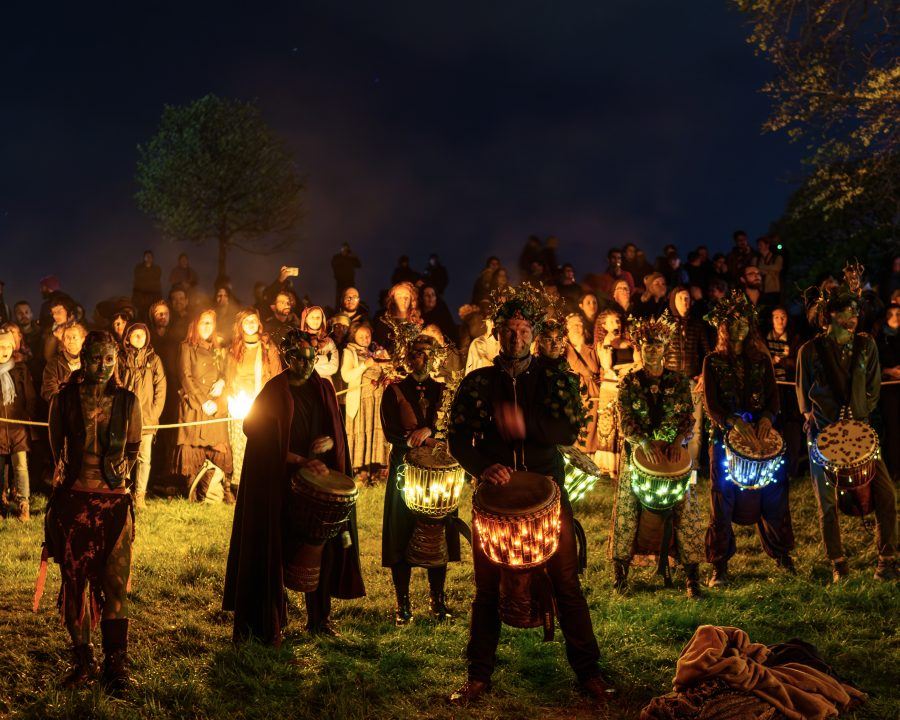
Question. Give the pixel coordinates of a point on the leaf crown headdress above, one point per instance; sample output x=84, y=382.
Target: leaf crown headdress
x=648, y=330
x=526, y=301
x=737, y=304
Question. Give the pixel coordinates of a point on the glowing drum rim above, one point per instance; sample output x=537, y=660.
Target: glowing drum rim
x=582, y=473
x=430, y=483
x=660, y=487
x=848, y=450
x=518, y=526
x=318, y=508
x=751, y=469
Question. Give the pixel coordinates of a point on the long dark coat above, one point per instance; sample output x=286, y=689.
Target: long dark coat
x=15, y=438
x=400, y=414
x=254, y=575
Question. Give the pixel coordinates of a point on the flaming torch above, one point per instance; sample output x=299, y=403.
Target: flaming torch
x=238, y=407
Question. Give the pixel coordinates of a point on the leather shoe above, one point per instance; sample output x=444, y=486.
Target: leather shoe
x=720, y=575
x=469, y=692
x=598, y=689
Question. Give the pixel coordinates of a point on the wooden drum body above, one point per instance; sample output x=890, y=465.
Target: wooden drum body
x=431, y=483
x=753, y=468
x=318, y=507
x=848, y=450
x=518, y=527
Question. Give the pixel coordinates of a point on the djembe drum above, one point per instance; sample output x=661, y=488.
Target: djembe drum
x=752, y=468
x=318, y=508
x=518, y=527
x=582, y=473
x=848, y=450
x=659, y=486
x=430, y=483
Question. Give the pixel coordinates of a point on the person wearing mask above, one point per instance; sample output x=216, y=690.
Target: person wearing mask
x=141, y=371
x=201, y=374
x=18, y=401
x=686, y=349
x=312, y=322
x=409, y=420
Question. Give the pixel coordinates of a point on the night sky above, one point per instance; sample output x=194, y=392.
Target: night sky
x=458, y=128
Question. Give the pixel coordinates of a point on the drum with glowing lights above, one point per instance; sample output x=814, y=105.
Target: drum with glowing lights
x=660, y=485
x=847, y=450
x=582, y=473
x=318, y=508
x=518, y=527
x=430, y=483
x=750, y=467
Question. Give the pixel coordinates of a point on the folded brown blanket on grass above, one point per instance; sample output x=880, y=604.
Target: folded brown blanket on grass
x=796, y=690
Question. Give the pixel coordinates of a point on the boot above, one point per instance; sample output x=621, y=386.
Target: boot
x=140, y=501
x=692, y=581
x=597, y=689
x=886, y=569
x=720, y=574
x=620, y=583
x=228, y=499
x=23, y=513
x=404, y=615
x=439, y=606
x=84, y=667
x=469, y=691
x=116, y=679
x=839, y=570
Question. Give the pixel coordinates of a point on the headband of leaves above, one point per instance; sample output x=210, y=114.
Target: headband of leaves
x=737, y=304
x=526, y=301
x=652, y=330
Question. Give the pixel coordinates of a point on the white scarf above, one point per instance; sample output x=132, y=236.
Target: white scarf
x=6, y=382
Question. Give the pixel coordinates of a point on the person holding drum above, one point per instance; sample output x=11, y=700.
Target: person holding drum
x=654, y=510
x=295, y=441
x=509, y=417
x=838, y=387
x=409, y=416
x=741, y=399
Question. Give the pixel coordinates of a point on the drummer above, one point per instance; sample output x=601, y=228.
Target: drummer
x=656, y=415
x=508, y=416
x=408, y=417
x=293, y=423
x=739, y=392
x=854, y=381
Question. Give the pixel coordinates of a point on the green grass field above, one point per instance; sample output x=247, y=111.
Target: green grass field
x=186, y=667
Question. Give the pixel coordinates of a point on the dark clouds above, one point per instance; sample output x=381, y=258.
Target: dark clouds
x=456, y=127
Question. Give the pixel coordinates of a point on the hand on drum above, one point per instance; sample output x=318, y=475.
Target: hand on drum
x=673, y=451
x=418, y=437
x=510, y=421
x=746, y=431
x=763, y=428
x=655, y=454
x=496, y=474
x=317, y=467
x=321, y=445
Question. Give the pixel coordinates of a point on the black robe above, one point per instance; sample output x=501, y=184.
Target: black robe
x=399, y=416
x=254, y=576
